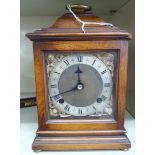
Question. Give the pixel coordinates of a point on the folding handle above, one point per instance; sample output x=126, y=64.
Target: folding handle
x=79, y=8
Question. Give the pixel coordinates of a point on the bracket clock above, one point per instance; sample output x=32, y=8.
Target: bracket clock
x=80, y=83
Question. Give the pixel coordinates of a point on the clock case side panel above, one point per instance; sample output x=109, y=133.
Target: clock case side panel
x=39, y=81
x=122, y=83
x=80, y=45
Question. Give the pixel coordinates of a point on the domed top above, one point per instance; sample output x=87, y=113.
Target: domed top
x=69, y=27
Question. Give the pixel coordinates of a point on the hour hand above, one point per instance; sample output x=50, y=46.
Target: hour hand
x=78, y=72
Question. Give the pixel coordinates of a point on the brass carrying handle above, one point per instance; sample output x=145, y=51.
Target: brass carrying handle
x=79, y=8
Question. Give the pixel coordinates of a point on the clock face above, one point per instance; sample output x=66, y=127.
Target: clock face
x=79, y=85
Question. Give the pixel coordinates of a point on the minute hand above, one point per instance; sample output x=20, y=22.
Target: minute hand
x=75, y=88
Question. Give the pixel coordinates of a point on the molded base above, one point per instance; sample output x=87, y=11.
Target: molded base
x=120, y=142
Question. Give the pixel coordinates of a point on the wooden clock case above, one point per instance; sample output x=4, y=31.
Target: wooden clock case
x=66, y=36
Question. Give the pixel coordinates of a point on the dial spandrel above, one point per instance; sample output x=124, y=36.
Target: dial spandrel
x=80, y=85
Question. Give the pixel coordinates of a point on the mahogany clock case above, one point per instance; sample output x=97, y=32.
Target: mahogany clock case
x=110, y=133
x=76, y=133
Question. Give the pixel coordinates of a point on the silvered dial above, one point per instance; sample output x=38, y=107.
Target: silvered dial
x=80, y=85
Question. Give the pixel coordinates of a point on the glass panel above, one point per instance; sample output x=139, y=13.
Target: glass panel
x=81, y=85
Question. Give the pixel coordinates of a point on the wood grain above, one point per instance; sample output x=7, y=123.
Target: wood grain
x=81, y=143
x=67, y=28
x=65, y=36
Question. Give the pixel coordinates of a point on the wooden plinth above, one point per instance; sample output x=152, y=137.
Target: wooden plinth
x=81, y=143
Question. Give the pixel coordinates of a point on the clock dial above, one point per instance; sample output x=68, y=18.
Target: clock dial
x=80, y=85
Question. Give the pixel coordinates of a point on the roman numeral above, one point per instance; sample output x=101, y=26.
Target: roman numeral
x=93, y=62
x=80, y=58
x=57, y=97
x=106, y=84
x=66, y=62
x=103, y=72
x=53, y=86
x=94, y=108
x=56, y=72
x=80, y=111
x=103, y=97
x=67, y=107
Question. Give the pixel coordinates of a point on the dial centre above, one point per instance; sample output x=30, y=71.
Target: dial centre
x=88, y=88
x=80, y=86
